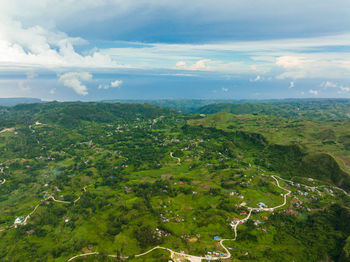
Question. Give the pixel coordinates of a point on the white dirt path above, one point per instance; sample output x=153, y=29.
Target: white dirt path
x=177, y=158
x=228, y=254
x=36, y=207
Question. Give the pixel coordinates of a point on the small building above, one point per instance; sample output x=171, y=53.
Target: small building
x=18, y=220
x=30, y=232
x=262, y=205
x=257, y=222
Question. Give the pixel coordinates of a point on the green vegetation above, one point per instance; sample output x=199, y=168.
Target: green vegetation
x=321, y=109
x=120, y=179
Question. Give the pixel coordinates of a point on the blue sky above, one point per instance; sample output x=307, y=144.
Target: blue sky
x=122, y=49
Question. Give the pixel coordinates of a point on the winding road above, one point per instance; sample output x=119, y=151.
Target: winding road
x=59, y=201
x=31, y=213
x=36, y=207
x=234, y=227
x=175, y=255
x=177, y=158
x=199, y=258
x=315, y=187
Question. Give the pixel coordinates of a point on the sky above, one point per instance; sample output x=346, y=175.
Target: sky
x=159, y=49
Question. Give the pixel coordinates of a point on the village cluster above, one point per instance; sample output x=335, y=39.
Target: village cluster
x=297, y=197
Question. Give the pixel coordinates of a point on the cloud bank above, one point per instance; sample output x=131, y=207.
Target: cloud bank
x=74, y=81
x=224, y=39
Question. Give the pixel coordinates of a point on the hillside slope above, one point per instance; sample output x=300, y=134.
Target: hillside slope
x=325, y=109
x=114, y=181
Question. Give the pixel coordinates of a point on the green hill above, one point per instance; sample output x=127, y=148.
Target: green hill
x=111, y=181
x=322, y=109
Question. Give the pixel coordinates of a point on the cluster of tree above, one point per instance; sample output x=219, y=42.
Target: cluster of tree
x=320, y=109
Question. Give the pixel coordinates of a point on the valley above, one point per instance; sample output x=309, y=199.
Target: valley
x=115, y=182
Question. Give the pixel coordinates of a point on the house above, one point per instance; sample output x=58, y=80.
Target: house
x=19, y=220
x=243, y=212
x=262, y=205
x=30, y=232
x=256, y=222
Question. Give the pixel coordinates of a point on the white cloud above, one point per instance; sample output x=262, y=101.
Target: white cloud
x=291, y=84
x=311, y=65
x=291, y=57
x=181, y=64
x=37, y=47
x=103, y=86
x=30, y=38
x=313, y=92
x=74, y=80
x=327, y=84
x=224, y=89
x=290, y=62
x=341, y=88
x=200, y=65
x=116, y=83
x=256, y=79
x=344, y=89
x=113, y=84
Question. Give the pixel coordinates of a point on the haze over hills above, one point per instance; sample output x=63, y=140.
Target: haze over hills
x=339, y=108
x=18, y=100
